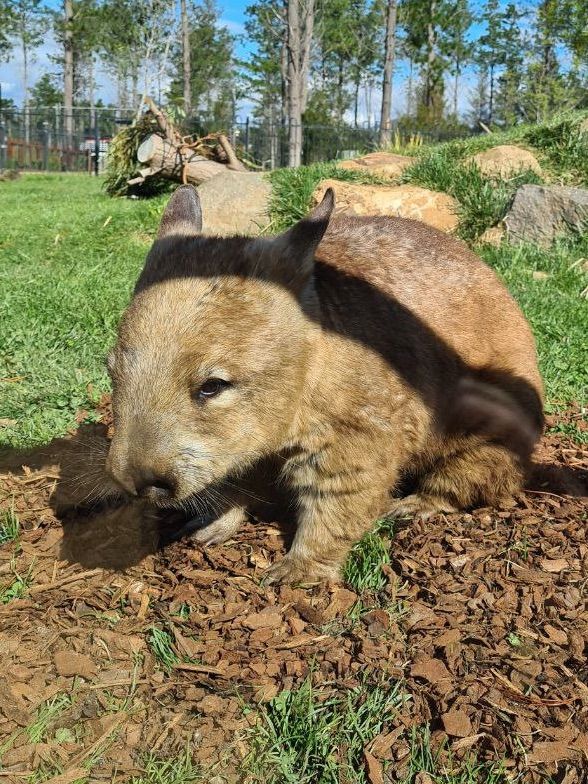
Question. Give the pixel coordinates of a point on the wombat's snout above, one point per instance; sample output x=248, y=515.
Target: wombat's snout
x=142, y=481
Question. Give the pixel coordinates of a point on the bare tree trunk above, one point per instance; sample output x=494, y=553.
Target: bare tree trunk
x=186, y=59
x=456, y=86
x=300, y=21
x=386, y=113
x=25, y=88
x=68, y=72
x=431, y=55
x=91, y=100
x=409, y=88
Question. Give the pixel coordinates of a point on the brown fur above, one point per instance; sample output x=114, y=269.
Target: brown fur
x=389, y=352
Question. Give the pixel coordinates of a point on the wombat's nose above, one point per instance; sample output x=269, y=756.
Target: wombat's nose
x=153, y=487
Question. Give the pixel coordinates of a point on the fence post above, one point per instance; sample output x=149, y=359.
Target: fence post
x=45, y=138
x=247, y=136
x=96, y=144
x=3, y=144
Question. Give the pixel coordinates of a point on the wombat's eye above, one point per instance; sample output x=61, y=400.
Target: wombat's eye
x=211, y=388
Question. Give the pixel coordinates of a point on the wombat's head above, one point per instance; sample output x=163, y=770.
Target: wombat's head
x=212, y=353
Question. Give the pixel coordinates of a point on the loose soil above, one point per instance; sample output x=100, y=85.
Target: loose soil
x=483, y=619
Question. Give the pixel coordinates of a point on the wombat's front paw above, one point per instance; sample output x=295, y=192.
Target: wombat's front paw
x=421, y=507
x=301, y=570
x=221, y=529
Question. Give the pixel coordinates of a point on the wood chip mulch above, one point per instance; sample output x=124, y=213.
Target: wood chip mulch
x=484, y=621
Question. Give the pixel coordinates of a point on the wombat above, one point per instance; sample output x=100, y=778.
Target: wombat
x=361, y=353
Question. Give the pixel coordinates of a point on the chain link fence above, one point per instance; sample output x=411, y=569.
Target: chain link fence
x=51, y=139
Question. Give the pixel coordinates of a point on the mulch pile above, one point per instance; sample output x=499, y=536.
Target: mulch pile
x=484, y=620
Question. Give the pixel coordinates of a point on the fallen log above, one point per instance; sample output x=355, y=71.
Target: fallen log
x=176, y=163
x=153, y=150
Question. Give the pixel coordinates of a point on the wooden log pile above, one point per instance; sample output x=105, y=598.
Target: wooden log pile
x=164, y=153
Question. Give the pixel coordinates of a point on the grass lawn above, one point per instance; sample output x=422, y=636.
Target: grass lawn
x=68, y=258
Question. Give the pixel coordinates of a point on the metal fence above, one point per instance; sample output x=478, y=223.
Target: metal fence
x=49, y=139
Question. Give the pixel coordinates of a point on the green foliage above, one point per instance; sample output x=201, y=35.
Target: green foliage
x=16, y=588
x=9, y=527
x=212, y=71
x=178, y=770
x=564, y=146
x=160, y=641
x=67, y=266
x=467, y=771
x=292, y=190
x=46, y=93
x=483, y=202
x=311, y=737
x=122, y=161
x=363, y=568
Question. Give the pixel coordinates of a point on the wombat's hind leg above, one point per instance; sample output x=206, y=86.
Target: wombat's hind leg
x=478, y=473
x=221, y=529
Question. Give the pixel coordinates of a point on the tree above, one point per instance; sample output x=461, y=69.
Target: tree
x=7, y=24
x=211, y=77
x=490, y=50
x=507, y=106
x=68, y=69
x=136, y=40
x=300, y=23
x=186, y=69
x=425, y=25
x=458, y=47
x=46, y=93
x=386, y=113
x=30, y=24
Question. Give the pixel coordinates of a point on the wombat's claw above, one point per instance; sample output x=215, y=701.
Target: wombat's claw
x=296, y=570
x=420, y=507
x=220, y=529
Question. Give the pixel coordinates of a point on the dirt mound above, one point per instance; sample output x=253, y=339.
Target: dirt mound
x=111, y=646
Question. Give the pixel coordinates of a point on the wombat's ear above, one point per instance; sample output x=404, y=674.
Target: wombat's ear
x=182, y=215
x=293, y=251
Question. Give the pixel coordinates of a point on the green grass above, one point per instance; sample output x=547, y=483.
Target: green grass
x=557, y=313
x=69, y=256
x=180, y=770
x=363, y=568
x=17, y=588
x=303, y=737
x=9, y=527
x=482, y=202
x=443, y=769
x=160, y=641
x=292, y=190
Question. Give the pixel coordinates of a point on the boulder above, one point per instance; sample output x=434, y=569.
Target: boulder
x=235, y=203
x=386, y=165
x=540, y=213
x=505, y=161
x=407, y=201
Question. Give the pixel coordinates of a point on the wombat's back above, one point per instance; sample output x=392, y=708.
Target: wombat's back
x=434, y=284
x=436, y=313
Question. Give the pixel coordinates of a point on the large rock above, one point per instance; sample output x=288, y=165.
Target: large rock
x=235, y=203
x=407, y=201
x=540, y=213
x=505, y=161
x=386, y=165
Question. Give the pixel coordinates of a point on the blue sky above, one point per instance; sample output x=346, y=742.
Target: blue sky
x=233, y=17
